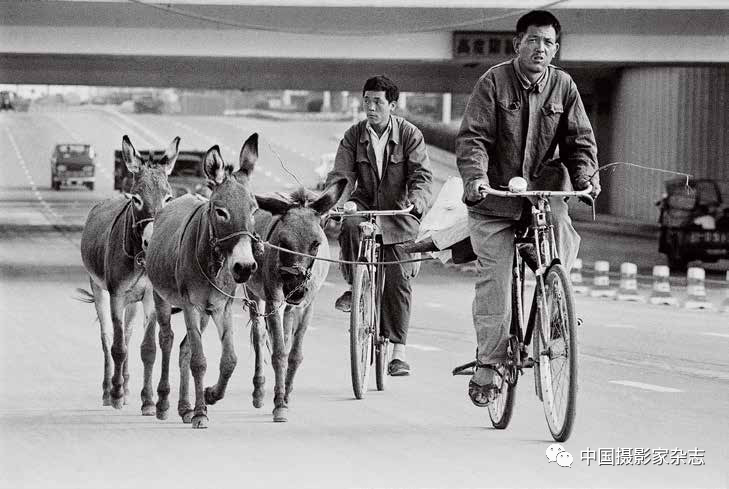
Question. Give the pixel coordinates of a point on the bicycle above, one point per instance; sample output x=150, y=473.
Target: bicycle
x=552, y=314
x=366, y=343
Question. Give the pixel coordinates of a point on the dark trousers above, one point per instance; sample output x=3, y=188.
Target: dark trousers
x=396, y=297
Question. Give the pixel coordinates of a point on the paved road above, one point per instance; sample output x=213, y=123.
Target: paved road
x=651, y=377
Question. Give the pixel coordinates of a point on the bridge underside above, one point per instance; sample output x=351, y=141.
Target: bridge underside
x=251, y=73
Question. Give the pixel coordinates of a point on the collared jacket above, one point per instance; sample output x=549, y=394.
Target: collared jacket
x=492, y=137
x=406, y=175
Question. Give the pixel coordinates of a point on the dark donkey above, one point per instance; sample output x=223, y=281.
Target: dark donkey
x=111, y=249
x=200, y=251
x=289, y=281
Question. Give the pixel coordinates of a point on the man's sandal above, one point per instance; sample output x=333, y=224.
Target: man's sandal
x=482, y=395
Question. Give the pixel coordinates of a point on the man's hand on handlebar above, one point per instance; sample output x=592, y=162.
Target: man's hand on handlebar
x=584, y=182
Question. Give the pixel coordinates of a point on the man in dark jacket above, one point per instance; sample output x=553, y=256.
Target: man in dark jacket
x=384, y=158
x=524, y=118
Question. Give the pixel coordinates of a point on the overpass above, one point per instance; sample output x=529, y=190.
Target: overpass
x=654, y=74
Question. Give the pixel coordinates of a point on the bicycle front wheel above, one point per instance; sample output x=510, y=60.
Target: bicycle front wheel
x=557, y=348
x=362, y=328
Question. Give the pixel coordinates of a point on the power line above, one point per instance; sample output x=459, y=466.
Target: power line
x=169, y=9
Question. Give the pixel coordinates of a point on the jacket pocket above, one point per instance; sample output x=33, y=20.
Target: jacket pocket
x=551, y=115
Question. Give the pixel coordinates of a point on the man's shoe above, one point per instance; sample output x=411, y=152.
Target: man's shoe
x=398, y=368
x=344, y=303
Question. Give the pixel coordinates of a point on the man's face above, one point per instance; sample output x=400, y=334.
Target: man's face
x=378, y=109
x=536, y=48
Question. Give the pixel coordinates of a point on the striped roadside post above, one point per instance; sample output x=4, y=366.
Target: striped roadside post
x=661, y=294
x=578, y=286
x=628, y=290
x=601, y=280
x=696, y=290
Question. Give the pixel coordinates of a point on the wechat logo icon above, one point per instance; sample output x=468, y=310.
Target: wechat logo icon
x=557, y=453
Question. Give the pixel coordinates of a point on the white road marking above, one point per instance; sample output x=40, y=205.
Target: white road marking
x=328, y=284
x=720, y=335
x=623, y=326
x=434, y=305
x=648, y=387
x=423, y=347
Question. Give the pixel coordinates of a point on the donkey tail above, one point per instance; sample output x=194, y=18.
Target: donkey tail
x=85, y=296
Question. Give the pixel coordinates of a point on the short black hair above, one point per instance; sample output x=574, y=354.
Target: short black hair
x=537, y=18
x=381, y=83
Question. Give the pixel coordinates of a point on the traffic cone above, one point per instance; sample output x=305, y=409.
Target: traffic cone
x=578, y=287
x=661, y=294
x=725, y=303
x=601, y=281
x=696, y=290
x=628, y=290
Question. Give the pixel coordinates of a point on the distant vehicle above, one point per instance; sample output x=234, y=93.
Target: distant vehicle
x=694, y=226
x=187, y=176
x=6, y=101
x=148, y=104
x=73, y=164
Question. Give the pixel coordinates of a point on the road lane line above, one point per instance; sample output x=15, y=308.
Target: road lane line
x=423, y=347
x=720, y=335
x=648, y=387
x=434, y=305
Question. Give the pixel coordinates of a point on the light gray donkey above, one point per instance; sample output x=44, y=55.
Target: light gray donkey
x=112, y=249
x=198, y=254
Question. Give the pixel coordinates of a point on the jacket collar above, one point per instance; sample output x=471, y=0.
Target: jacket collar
x=524, y=81
x=395, y=123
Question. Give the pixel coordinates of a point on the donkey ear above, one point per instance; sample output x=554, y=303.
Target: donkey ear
x=214, y=166
x=273, y=203
x=249, y=154
x=132, y=159
x=329, y=197
x=171, y=154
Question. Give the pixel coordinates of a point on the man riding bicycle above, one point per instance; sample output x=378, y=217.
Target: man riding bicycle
x=385, y=160
x=524, y=118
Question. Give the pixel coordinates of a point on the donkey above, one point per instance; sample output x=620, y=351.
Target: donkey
x=198, y=254
x=288, y=280
x=112, y=244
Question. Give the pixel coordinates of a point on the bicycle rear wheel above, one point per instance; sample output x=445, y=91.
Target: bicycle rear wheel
x=361, y=328
x=557, y=350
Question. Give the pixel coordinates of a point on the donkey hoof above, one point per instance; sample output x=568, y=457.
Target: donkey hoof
x=187, y=416
x=117, y=402
x=106, y=400
x=257, y=402
x=280, y=415
x=162, y=415
x=148, y=410
x=200, y=421
x=210, y=397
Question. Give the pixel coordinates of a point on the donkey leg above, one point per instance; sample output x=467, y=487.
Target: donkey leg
x=130, y=314
x=103, y=312
x=184, y=408
x=278, y=361
x=258, y=339
x=301, y=320
x=148, y=351
x=198, y=366
x=118, y=350
x=228, y=359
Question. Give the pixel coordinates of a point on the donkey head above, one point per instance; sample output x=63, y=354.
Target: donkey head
x=231, y=208
x=150, y=190
x=299, y=230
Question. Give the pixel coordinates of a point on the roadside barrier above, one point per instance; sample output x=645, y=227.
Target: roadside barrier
x=576, y=277
x=725, y=303
x=628, y=290
x=661, y=294
x=601, y=280
x=696, y=290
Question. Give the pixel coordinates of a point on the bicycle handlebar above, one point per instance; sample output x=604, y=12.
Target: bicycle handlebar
x=484, y=191
x=367, y=213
